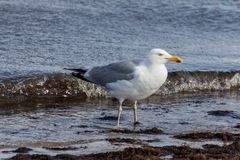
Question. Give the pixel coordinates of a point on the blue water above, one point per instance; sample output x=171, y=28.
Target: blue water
x=38, y=37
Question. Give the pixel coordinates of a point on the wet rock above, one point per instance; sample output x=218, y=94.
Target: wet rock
x=178, y=151
x=61, y=148
x=131, y=141
x=237, y=126
x=198, y=102
x=85, y=131
x=153, y=130
x=210, y=146
x=19, y=150
x=220, y=113
x=22, y=150
x=184, y=123
x=127, y=154
x=66, y=157
x=32, y=157
x=234, y=147
x=79, y=126
x=108, y=118
x=207, y=135
x=124, y=140
x=212, y=152
x=209, y=151
x=224, y=113
x=222, y=103
x=153, y=140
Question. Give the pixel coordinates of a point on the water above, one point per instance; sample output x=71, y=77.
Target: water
x=40, y=38
x=85, y=125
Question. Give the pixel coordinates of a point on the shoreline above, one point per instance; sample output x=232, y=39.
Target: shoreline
x=202, y=124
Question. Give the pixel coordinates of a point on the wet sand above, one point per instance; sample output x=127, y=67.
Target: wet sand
x=181, y=126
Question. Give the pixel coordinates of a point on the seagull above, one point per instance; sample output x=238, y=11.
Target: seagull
x=133, y=79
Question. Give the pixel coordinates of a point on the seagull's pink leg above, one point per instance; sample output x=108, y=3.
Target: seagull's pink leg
x=119, y=112
x=135, y=113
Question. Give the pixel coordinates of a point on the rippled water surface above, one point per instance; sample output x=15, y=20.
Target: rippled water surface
x=46, y=123
x=45, y=36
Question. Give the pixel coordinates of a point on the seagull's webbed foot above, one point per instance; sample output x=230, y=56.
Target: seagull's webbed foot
x=136, y=124
x=117, y=127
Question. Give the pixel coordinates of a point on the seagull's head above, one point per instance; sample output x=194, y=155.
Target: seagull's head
x=161, y=56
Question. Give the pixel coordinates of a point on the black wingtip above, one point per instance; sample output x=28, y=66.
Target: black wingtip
x=80, y=76
x=81, y=70
x=78, y=73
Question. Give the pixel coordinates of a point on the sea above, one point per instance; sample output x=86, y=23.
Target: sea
x=38, y=98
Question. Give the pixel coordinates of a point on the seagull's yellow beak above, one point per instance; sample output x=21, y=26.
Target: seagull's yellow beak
x=175, y=59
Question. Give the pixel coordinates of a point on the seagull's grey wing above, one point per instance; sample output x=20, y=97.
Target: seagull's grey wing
x=112, y=72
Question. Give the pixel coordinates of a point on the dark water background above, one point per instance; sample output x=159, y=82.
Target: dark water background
x=39, y=37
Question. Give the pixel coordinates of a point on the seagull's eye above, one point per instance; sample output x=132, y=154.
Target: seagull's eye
x=160, y=54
